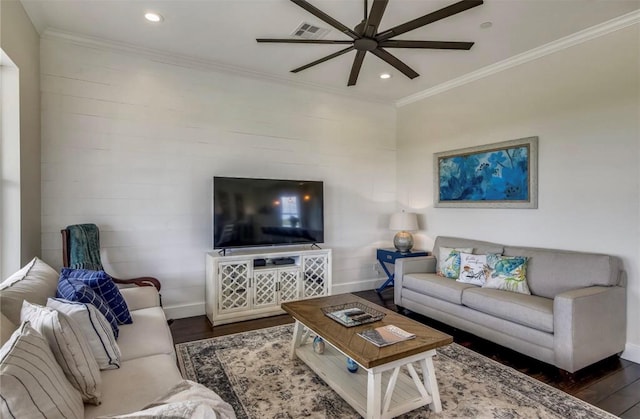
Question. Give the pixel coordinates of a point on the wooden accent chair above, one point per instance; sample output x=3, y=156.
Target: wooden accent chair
x=144, y=281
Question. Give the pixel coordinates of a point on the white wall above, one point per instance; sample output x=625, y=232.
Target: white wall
x=20, y=41
x=584, y=105
x=131, y=143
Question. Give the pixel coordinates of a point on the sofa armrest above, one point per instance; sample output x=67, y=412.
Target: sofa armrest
x=141, y=297
x=589, y=324
x=419, y=264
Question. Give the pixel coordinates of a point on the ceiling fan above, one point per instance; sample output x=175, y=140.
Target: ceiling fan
x=366, y=38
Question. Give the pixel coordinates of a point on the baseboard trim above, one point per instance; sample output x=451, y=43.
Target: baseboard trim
x=362, y=285
x=631, y=353
x=185, y=310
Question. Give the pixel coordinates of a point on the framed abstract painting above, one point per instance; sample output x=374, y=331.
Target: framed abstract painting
x=499, y=175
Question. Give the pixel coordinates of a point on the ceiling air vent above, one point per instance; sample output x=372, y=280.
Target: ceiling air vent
x=309, y=31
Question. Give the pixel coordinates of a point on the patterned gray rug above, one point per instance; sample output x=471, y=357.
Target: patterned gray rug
x=252, y=371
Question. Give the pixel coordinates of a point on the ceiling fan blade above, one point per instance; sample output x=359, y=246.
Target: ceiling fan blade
x=326, y=18
x=321, y=60
x=355, y=69
x=445, y=12
x=399, y=65
x=303, y=41
x=391, y=43
x=375, y=17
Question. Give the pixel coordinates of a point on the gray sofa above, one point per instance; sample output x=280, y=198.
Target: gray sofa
x=574, y=317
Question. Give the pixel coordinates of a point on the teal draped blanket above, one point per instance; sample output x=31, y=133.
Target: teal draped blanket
x=84, y=247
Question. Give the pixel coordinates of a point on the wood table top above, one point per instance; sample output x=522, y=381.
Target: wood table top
x=309, y=312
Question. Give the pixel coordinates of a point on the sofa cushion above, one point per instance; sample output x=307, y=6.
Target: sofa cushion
x=70, y=347
x=147, y=335
x=528, y=310
x=35, y=282
x=449, y=261
x=436, y=286
x=77, y=291
x=552, y=272
x=508, y=273
x=186, y=400
x=102, y=284
x=140, y=297
x=33, y=384
x=95, y=327
x=135, y=384
x=7, y=327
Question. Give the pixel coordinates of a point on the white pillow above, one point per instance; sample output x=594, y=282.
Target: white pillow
x=35, y=282
x=70, y=347
x=33, y=384
x=473, y=269
x=95, y=327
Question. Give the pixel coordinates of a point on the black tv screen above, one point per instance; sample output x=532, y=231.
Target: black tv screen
x=266, y=212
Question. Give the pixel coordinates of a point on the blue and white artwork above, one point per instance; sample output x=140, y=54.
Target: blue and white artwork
x=497, y=175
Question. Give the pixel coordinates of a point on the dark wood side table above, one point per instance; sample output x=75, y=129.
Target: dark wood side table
x=390, y=256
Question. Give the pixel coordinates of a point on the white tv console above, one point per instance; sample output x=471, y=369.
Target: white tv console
x=237, y=288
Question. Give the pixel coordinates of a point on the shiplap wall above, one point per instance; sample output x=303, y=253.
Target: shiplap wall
x=131, y=143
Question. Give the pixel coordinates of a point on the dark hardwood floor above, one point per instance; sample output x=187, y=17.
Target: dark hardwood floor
x=612, y=384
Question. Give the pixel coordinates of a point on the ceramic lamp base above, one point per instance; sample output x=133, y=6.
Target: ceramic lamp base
x=403, y=241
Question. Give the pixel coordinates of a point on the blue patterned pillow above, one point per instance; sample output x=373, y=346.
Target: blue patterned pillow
x=507, y=273
x=76, y=290
x=103, y=285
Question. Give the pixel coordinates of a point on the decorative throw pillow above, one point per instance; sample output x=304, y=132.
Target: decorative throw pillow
x=449, y=261
x=36, y=281
x=33, y=384
x=507, y=273
x=76, y=290
x=70, y=347
x=102, y=284
x=95, y=327
x=473, y=269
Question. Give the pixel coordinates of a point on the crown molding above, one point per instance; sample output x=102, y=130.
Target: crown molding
x=195, y=63
x=555, y=46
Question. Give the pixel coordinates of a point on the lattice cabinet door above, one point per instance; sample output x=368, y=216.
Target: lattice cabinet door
x=315, y=275
x=289, y=284
x=265, y=284
x=233, y=286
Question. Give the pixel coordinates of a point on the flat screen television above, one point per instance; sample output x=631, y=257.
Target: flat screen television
x=266, y=212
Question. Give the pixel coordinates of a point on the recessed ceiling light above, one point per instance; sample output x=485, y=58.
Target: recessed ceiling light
x=486, y=25
x=385, y=76
x=153, y=17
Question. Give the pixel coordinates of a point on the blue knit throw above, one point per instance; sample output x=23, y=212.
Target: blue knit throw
x=84, y=247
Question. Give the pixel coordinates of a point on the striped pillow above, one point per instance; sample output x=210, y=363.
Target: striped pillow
x=95, y=327
x=33, y=384
x=103, y=285
x=76, y=290
x=70, y=347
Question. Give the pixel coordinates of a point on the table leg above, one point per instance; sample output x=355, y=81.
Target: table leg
x=431, y=384
x=374, y=395
x=297, y=338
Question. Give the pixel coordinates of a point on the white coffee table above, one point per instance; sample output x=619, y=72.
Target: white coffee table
x=392, y=368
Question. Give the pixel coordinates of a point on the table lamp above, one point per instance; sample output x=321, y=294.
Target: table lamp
x=402, y=222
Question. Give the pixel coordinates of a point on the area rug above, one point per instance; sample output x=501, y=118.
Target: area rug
x=252, y=371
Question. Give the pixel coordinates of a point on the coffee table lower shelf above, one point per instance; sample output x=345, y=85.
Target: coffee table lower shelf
x=367, y=391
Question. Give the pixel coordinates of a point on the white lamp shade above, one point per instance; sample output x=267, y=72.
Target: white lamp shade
x=403, y=221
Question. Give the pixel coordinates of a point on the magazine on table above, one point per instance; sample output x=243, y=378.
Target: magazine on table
x=386, y=335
